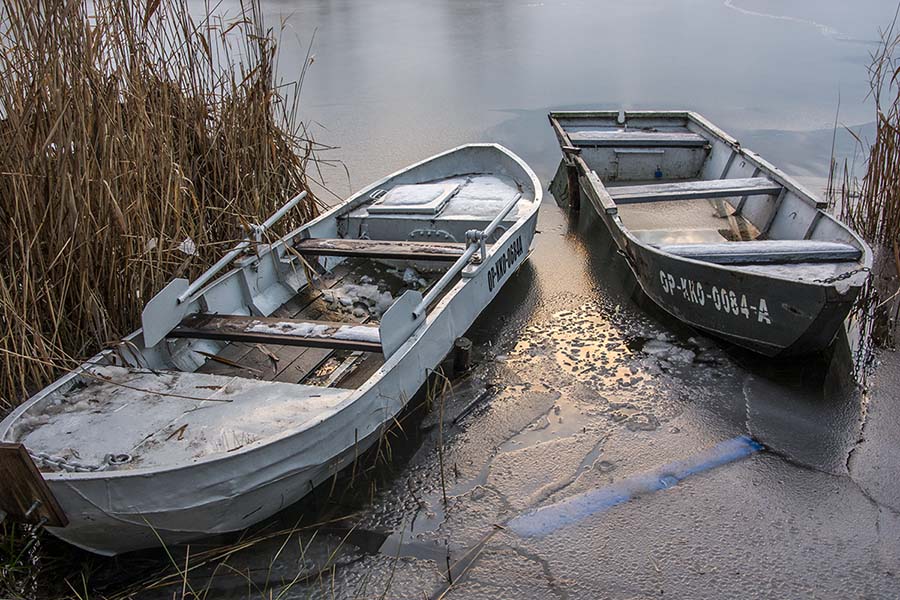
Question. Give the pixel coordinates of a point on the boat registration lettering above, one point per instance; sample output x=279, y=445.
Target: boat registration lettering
x=503, y=263
x=719, y=299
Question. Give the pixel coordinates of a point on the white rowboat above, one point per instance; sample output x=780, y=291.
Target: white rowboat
x=183, y=431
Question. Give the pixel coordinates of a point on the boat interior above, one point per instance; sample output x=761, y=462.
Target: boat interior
x=284, y=337
x=677, y=183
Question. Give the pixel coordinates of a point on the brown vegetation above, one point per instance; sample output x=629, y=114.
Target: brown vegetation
x=874, y=209
x=126, y=129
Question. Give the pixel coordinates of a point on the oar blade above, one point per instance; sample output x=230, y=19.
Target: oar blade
x=163, y=312
x=398, y=323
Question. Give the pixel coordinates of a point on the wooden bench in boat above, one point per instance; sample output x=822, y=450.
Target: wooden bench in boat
x=636, y=138
x=767, y=252
x=347, y=247
x=694, y=190
x=286, y=332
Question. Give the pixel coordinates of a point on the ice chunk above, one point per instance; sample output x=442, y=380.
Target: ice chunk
x=410, y=276
x=657, y=348
x=366, y=296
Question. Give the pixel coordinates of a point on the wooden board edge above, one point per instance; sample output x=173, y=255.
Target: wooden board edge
x=24, y=486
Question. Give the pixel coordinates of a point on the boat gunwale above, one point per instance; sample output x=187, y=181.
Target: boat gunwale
x=351, y=203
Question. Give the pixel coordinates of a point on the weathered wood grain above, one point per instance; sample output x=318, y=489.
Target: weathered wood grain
x=279, y=331
x=21, y=484
x=437, y=251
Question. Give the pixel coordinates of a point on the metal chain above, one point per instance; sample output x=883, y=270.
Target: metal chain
x=59, y=463
x=843, y=276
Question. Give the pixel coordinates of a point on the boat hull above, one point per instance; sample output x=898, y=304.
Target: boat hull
x=792, y=318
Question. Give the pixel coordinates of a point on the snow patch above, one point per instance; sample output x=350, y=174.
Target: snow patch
x=293, y=329
x=357, y=333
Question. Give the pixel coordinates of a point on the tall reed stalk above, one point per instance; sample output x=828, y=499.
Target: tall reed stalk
x=875, y=212
x=135, y=140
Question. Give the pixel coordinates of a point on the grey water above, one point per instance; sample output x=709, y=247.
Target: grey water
x=397, y=80
x=580, y=382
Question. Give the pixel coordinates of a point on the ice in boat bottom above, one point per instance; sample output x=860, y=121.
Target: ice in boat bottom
x=243, y=393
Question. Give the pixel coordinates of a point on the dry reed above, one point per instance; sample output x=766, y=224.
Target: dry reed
x=872, y=206
x=874, y=210
x=135, y=141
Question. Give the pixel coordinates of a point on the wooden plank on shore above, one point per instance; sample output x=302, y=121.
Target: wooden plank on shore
x=437, y=251
x=279, y=331
x=692, y=190
x=23, y=487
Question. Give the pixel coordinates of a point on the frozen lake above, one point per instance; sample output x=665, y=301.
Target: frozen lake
x=584, y=393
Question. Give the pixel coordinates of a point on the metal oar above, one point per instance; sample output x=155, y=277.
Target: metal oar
x=167, y=308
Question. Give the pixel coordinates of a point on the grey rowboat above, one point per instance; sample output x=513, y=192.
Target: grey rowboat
x=714, y=234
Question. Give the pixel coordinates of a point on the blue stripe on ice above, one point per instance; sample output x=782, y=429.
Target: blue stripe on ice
x=548, y=519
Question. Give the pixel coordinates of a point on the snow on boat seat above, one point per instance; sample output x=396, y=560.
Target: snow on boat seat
x=438, y=251
x=421, y=198
x=636, y=138
x=694, y=190
x=286, y=332
x=762, y=252
x=658, y=237
x=168, y=418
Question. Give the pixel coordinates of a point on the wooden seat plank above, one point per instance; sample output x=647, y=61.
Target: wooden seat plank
x=766, y=252
x=437, y=251
x=307, y=361
x=636, y=138
x=306, y=305
x=694, y=190
x=279, y=331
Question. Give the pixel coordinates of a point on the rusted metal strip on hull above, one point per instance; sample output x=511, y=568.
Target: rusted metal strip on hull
x=564, y=142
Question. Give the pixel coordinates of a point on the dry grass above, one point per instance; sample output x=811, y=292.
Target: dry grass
x=126, y=129
x=874, y=209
